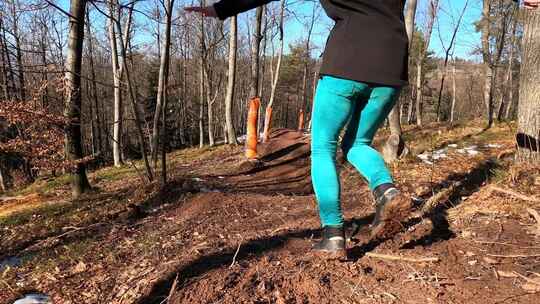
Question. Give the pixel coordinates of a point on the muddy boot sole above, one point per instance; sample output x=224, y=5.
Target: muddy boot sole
x=394, y=214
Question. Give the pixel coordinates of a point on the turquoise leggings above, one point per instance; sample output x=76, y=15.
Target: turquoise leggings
x=364, y=106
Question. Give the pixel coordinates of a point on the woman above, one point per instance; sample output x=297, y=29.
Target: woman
x=364, y=67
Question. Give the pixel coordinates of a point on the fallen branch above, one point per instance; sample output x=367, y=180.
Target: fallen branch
x=173, y=289
x=512, y=256
x=443, y=195
x=57, y=237
x=401, y=258
x=505, y=244
x=515, y=194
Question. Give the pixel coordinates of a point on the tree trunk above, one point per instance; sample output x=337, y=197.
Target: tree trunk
x=210, y=108
x=72, y=111
x=231, y=79
x=488, y=94
x=117, y=91
x=18, y=51
x=95, y=114
x=507, y=85
x=4, y=56
x=528, y=131
x=486, y=55
x=254, y=86
x=133, y=98
x=162, y=79
x=419, y=93
x=453, y=108
x=202, y=64
x=394, y=117
x=268, y=113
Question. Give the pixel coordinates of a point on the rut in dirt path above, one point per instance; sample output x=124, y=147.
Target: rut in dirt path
x=282, y=166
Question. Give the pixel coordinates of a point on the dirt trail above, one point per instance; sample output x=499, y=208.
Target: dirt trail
x=238, y=236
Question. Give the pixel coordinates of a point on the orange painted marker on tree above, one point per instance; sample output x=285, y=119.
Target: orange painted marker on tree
x=301, y=120
x=252, y=132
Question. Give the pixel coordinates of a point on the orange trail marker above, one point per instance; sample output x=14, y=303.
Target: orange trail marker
x=301, y=120
x=252, y=132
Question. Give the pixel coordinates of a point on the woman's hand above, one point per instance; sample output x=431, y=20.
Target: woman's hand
x=207, y=11
x=531, y=4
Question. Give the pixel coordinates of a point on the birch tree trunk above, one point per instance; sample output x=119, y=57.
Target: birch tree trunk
x=453, y=107
x=275, y=78
x=117, y=90
x=231, y=79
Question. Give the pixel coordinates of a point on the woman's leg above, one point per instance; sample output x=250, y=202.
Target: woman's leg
x=333, y=104
x=370, y=112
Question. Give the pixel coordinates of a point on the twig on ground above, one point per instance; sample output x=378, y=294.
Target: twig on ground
x=56, y=237
x=173, y=289
x=401, y=258
x=236, y=253
x=515, y=296
x=514, y=194
x=506, y=244
x=511, y=256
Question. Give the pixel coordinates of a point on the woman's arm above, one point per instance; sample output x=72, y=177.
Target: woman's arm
x=227, y=8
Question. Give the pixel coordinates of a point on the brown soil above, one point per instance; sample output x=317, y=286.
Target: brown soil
x=243, y=235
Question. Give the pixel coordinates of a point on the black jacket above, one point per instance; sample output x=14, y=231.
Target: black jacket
x=368, y=42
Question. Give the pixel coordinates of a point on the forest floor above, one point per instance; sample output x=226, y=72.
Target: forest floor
x=228, y=231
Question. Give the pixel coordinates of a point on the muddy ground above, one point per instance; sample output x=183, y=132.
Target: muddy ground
x=229, y=231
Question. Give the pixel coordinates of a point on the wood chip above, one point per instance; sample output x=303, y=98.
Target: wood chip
x=490, y=260
x=506, y=274
x=530, y=287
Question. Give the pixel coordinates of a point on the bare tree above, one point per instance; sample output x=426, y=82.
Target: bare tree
x=231, y=79
x=72, y=111
x=133, y=101
x=274, y=74
x=447, y=51
x=432, y=15
x=115, y=12
x=494, y=24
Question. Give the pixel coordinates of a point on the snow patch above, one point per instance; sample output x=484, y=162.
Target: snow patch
x=34, y=298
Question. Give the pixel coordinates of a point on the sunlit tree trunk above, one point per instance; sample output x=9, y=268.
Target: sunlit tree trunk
x=275, y=76
x=453, y=107
x=433, y=10
x=72, y=110
x=528, y=131
x=231, y=80
x=117, y=90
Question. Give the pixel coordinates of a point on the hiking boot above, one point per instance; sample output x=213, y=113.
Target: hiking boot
x=332, y=245
x=391, y=208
